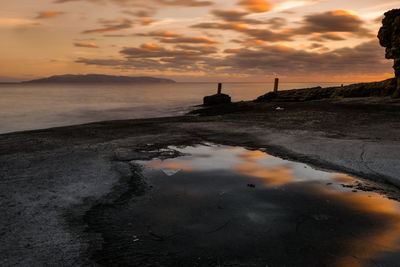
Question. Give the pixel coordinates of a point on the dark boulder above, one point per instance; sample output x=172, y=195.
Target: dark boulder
x=217, y=99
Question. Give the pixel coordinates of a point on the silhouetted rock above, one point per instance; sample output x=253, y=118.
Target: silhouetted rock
x=99, y=78
x=297, y=94
x=389, y=37
x=217, y=99
x=383, y=88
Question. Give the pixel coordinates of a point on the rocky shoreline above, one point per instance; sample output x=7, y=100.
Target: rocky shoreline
x=384, y=88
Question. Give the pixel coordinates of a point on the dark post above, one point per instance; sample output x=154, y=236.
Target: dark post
x=219, y=88
x=276, y=84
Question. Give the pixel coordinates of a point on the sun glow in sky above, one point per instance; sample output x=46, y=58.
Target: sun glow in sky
x=195, y=40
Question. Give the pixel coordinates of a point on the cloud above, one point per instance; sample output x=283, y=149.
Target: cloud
x=256, y=5
x=49, y=14
x=119, y=2
x=188, y=3
x=333, y=21
x=163, y=34
x=276, y=22
x=235, y=16
x=150, y=50
x=261, y=34
x=288, y=6
x=289, y=61
x=116, y=35
x=112, y=25
x=206, y=49
x=184, y=39
x=321, y=26
x=152, y=57
x=17, y=22
x=140, y=13
x=316, y=45
x=236, y=20
x=239, y=16
x=174, y=38
x=149, y=3
x=87, y=45
x=146, y=21
x=263, y=60
x=329, y=36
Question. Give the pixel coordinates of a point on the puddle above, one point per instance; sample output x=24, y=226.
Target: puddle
x=228, y=206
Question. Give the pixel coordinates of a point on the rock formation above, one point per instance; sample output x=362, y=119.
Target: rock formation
x=389, y=37
x=375, y=89
x=218, y=98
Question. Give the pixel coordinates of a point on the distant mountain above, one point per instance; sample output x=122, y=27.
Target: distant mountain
x=99, y=78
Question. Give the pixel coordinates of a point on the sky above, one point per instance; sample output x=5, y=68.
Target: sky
x=195, y=40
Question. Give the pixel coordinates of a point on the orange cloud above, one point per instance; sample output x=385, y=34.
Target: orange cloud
x=254, y=155
x=49, y=14
x=159, y=34
x=87, y=45
x=328, y=36
x=147, y=4
x=255, y=33
x=256, y=5
x=334, y=65
x=270, y=175
x=149, y=47
x=342, y=12
x=170, y=165
x=174, y=38
x=189, y=3
x=112, y=25
x=192, y=40
x=17, y=22
x=146, y=21
x=333, y=21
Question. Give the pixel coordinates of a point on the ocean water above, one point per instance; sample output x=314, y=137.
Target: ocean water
x=33, y=106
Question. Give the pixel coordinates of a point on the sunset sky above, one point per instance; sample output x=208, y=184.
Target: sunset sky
x=195, y=40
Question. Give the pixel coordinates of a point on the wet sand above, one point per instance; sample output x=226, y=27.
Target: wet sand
x=57, y=183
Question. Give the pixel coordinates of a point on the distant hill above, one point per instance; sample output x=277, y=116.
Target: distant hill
x=98, y=78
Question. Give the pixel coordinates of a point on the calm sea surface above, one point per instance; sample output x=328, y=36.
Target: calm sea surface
x=28, y=107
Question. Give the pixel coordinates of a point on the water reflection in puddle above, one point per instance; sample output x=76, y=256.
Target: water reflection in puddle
x=231, y=206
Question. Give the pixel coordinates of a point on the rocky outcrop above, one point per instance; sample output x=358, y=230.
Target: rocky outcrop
x=389, y=37
x=383, y=88
x=217, y=99
x=297, y=94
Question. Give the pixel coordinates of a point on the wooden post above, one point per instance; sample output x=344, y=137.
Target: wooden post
x=219, y=88
x=398, y=83
x=276, y=84
x=397, y=92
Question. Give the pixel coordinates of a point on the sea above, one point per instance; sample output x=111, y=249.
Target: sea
x=37, y=106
